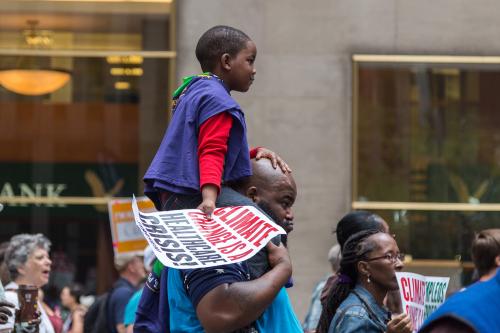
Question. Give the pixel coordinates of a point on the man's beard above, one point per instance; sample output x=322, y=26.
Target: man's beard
x=267, y=209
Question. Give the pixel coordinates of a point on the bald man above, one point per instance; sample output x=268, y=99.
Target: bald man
x=226, y=298
x=271, y=191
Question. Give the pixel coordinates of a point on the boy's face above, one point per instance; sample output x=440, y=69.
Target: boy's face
x=242, y=71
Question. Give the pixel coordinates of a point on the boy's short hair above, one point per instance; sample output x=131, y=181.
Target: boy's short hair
x=216, y=41
x=485, y=248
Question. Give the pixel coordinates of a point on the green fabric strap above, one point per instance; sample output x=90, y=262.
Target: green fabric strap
x=185, y=82
x=157, y=267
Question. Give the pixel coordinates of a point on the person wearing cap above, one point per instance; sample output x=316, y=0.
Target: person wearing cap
x=129, y=318
x=131, y=270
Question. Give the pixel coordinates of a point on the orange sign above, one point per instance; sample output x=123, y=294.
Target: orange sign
x=126, y=235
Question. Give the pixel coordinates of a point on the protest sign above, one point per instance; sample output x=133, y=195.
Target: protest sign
x=187, y=239
x=127, y=238
x=421, y=295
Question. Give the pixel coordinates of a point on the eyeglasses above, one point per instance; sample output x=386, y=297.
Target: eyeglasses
x=392, y=257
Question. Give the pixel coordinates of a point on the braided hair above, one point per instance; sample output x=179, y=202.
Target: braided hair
x=357, y=221
x=355, y=249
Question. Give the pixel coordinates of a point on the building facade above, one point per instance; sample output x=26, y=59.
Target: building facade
x=406, y=137
x=410, y=137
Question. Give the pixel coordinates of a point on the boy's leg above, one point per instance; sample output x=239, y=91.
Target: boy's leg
x=173, y=201
x=258, y=264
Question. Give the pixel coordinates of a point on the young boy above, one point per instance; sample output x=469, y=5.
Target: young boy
x=206, y=141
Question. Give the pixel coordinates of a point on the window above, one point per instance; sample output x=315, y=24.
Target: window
x=63, y=153
x=426, y=148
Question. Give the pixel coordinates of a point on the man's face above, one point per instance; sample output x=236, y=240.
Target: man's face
x=277, y=199
x=137, y=267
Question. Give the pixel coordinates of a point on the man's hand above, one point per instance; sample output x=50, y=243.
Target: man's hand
x=278, y=255
x=6, y=309
x=400, y=324
x=209, y=193
x=274, y=158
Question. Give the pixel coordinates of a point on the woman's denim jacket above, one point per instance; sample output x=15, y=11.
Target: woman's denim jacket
x=359, y=312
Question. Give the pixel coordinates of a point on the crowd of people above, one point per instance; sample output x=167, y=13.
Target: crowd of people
x=360, y=296
x=204, y=162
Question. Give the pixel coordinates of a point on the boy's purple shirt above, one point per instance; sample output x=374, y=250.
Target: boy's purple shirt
x=175, y=167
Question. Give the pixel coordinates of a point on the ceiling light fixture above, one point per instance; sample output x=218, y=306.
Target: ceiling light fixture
x=28, y=77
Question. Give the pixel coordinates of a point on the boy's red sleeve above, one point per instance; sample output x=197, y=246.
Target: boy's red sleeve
x=253, y=152
x=212, y=148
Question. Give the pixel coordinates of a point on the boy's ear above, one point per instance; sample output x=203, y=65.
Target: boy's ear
x=251, y=193
x=225, y=61
x=497, y=261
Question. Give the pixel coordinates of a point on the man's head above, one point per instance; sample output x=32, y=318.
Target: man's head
x=486, y=251
x=334, y=257
x=130, y=267
x=272, y=190
x=229, y=53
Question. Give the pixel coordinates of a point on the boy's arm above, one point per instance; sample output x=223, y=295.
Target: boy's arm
x=212, y=149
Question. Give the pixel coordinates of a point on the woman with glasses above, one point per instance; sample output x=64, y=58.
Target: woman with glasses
x=370, y=259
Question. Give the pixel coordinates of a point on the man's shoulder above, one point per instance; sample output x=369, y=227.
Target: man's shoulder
x=198, y=282
x=122, y=289
x=236, y=272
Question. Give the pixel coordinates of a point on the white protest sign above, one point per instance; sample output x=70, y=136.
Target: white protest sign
x=187, y=239
x=421, y=295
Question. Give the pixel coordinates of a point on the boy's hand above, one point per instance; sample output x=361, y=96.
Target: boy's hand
x=207, y=207
x=209, y=193
x=274, y=158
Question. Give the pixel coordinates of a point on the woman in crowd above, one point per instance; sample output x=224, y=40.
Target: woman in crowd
x=350, y=224
x=70, y=299
x=370, y=259
x=486, y=253
x=28, y=262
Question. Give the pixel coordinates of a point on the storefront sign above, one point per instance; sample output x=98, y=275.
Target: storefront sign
x=187, y=239
x=37, y=190
x=49, y=181
x=421, y=295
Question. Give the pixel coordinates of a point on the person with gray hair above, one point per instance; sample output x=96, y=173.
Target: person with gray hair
x=315, y=308
x=28, y=262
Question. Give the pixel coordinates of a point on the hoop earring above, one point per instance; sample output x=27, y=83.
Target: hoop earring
x=368, y=279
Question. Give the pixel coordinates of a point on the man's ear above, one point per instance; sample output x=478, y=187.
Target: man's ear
x=497, y=261
x=225, y=61
x=251, y=193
